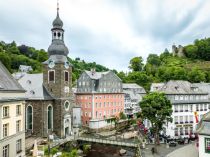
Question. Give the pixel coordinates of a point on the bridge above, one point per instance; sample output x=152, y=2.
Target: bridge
x=124, y=143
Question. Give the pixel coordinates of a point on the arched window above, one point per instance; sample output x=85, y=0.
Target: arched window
x=50, y=117
x=29, y=118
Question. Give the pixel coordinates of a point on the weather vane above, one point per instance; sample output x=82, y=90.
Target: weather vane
x=58, y=5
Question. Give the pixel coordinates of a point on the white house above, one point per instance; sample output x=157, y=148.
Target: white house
x=203, y=131
x=186, y=98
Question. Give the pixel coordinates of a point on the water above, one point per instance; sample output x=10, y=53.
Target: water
x=99, y=150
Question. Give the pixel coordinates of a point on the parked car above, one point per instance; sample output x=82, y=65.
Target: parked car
x=181, y=141
x=172, y=144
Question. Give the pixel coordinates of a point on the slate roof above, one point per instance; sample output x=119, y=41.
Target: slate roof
x=7, y=82
x=179, y=87
x=33, y=84
x=133, y=86
x=96, y=75
x=203, y=127
x=205, y=87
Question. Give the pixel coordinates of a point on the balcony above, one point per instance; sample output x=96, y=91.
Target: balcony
x=181, y=111
x=181, y=122
x=186, y=122
x=176, y=122
x=176, y=111
x=201, y=109
x=191, y=121
x=186, y=110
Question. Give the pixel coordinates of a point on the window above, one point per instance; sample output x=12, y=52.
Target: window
x=176, y=97
x=186, y=119
x=175, y=108
x=176, y=119
x=6, y=151
x=18, y=123
x=5, y=130
x=186, y=108
x=181, y=108
x=18, y=110
x=191, y=119
x=181, y=131
x=66, y=105
x=51, y=75
x=50, y=117
x=201, y=107
x=18, y=146
x=29, y=118
x=5, y=111
x=197, y=107
x=191, y=130
x=176, y=131
x=66, y=76
x=186, y=130
x=205, y=107
x=207, y=145
x=181, y=119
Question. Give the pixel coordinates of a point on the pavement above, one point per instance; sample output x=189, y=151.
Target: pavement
x=188, y=150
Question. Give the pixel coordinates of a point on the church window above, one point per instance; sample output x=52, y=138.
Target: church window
x=66, y=105
x=29, y=118
x=50, y=117
x=51, y=76
x=54, y=34
x=66, y=76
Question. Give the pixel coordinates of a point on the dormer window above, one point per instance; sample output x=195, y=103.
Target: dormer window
x=51, y=76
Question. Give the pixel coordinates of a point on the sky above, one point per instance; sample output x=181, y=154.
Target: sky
x=108, y=32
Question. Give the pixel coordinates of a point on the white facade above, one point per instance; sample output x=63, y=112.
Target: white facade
x=204, y=141
x=133, y=95
x=186, y=99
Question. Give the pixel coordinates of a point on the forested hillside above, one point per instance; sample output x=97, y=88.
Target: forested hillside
x=195, y=67
x=13, y=56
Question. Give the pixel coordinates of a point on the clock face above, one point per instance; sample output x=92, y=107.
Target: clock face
x=66, y=65
x=51, y=64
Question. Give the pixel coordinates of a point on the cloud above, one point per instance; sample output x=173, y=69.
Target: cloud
x=109, y=32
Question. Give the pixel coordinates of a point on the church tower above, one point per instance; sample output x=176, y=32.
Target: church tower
x=57, y=79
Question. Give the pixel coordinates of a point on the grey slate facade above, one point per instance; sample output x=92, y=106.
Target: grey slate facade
x=99, y=82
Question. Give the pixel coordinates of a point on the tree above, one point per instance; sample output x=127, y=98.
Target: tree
x=157, y=109
x=153, y=59
x=191, y=51
x=122, y=115
x=136, y=64
x=5, y=59
x=196, y=75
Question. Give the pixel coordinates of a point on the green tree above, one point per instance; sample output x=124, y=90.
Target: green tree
x=196, y=75
x=122, y=115
x=6, y=60
x=136, y=64
x=191, y=51
x=157, y=109
x=153, y=59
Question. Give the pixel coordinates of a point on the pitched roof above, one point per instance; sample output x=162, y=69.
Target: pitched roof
x=133, y=86
x=204, y=125
x=179, y=87
x=7, y=82
x=33, y=84
x=96, y=75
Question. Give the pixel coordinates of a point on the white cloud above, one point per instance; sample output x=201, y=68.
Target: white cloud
x=106, y=31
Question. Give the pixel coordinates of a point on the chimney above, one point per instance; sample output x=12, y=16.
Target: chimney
x=93, y=71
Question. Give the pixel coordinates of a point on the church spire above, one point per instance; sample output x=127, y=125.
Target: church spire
x=57, y=46
x=57, y=7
